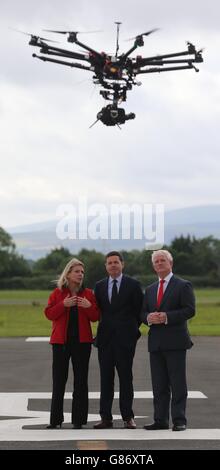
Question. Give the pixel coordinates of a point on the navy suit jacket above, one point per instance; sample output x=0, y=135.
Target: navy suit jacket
x=179, y=304
x=121, y=320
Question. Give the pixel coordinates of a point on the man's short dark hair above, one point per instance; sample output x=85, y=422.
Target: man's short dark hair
x=114, y=253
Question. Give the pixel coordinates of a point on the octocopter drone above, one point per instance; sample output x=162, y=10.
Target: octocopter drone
x=115, y=74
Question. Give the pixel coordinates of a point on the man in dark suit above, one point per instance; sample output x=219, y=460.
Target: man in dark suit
x=119, y=298
x=167, y=306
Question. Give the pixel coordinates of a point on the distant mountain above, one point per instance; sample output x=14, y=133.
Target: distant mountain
x=37, y=227
x=194, y=215
x=36, y=240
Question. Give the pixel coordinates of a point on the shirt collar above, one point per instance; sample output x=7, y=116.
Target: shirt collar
x=118, y=279
x=167, y=278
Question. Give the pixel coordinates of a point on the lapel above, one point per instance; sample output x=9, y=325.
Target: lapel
x=154, y=295
x=105, y=290
x=168, y=290
x=122, y=286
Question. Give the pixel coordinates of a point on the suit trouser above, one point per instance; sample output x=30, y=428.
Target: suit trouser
x=117, y=356
x=168, y=372
x=79, y=354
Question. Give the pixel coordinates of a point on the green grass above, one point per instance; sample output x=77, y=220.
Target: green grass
x=28, y=319
x=23, y=320
x=208, y=296
x=31, y=295
x=207, y=319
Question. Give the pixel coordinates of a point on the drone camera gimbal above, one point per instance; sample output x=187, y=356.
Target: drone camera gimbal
x=111, y=115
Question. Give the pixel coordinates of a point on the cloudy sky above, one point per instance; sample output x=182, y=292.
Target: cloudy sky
x=169, y=154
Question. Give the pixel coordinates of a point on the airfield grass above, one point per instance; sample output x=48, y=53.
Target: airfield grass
x=21, y=314
x=32, y=295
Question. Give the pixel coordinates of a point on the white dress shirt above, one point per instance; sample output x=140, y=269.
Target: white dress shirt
x=165, y=284
x=110, y=285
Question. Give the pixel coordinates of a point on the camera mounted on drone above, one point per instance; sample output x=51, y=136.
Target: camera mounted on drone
x=111, y=115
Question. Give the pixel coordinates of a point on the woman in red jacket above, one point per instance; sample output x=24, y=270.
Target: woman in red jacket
x=71, y=307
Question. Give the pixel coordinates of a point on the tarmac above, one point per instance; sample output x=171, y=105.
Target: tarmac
x=25, y=393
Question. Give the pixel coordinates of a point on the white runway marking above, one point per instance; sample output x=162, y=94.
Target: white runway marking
x=11, y=430
x=33, y=339
x=10, y=397
x=16, y=404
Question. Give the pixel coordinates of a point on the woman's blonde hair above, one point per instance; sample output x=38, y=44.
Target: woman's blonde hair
x=62, y=281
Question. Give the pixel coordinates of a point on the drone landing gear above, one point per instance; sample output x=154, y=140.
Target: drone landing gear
x=111, y=115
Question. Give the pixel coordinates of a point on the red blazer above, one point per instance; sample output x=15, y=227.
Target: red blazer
x=59, y=315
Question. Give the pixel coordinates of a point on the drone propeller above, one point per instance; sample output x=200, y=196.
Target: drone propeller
x=143, y=34
x=71, y=32
x=32, y=35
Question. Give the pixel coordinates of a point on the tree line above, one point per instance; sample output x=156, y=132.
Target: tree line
x=195, y=259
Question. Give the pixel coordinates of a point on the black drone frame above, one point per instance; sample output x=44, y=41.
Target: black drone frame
x=117, y=74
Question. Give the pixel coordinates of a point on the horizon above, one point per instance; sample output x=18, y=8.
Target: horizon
x=167, y=211
x=34, y=241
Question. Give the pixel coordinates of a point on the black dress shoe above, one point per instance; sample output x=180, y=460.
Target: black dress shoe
x=54, y=426
x=179, y=427
x=77, y=426
x=155, y=426
x=103, y=424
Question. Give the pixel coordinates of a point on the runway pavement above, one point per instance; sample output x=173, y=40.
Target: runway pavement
x=25, y=392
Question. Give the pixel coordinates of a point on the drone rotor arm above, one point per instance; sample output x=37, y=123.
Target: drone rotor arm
x=145, y=61
x=62, y=62
x=139, y=42
x=60, y=54
x=84, y=46
x=166, y=69
x=123, y=57
x=157, y=63
x=180, y=61
x=51, y=50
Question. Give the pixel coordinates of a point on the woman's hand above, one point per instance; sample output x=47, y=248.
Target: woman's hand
x=83, y=302
x=70, y=301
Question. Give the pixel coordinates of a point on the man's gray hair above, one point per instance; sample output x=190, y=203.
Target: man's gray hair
x=162, y=253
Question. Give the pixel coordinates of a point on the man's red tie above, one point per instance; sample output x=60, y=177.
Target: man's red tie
x=160, y=293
